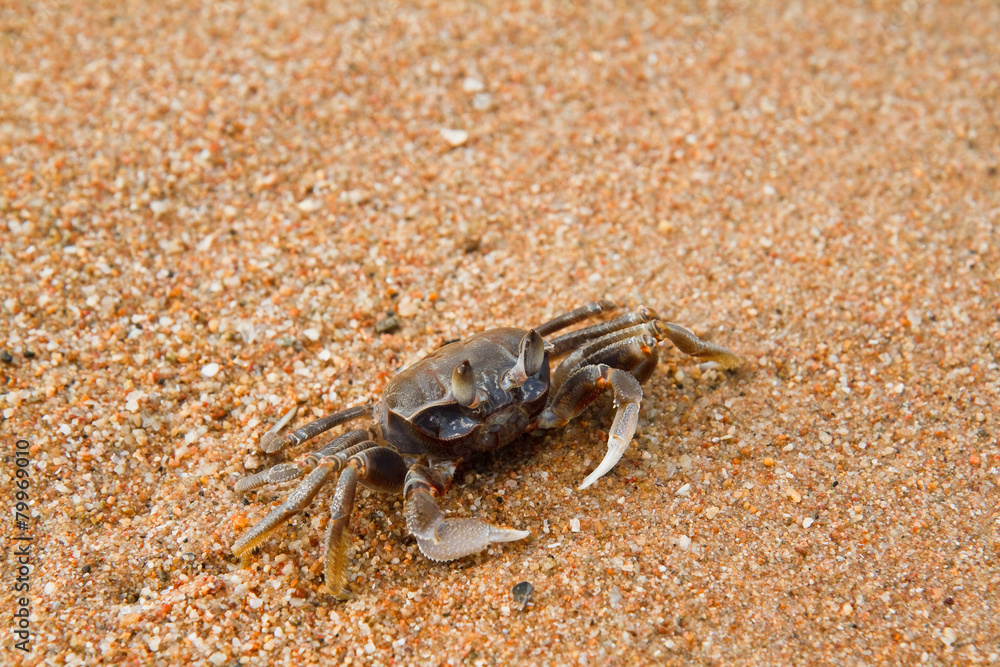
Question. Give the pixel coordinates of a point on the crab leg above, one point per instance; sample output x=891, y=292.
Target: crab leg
x=596, y=351
x=575, y=339
x=688, y=343
x=284, y=472
x=378, y=468
x=273, y=440
x=297, y=500
x=441, y=538
x=574, y=316
x=583, y=387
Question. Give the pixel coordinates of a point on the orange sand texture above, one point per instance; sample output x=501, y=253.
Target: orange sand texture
x=208, y=207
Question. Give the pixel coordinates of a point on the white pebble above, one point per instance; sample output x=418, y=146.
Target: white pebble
x=218, y=658
x=684, y=542
x=158, y=206
x=683, y=491
x=254, y=601
x=406, y=308
x=825, y=437
x=311, y=334
x=210, y=370
x=472, y=85
x=574, y=525
x=62, y=488
x=808, y=521
x=949, y=636
x=454, y=137
x=153, y=643
x=310, y=205
x=49, y=588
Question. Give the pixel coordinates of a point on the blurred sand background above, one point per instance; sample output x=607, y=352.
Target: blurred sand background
x=208, y=208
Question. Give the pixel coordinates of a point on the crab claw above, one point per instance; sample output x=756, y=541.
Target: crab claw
x=442, y=539
x=622, y=431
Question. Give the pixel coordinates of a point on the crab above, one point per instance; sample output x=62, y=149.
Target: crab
x=463, y=399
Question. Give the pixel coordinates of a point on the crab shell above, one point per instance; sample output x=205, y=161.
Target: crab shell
x=419, y=414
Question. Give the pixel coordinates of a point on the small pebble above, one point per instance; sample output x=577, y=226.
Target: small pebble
x=210, y=370
x=522, y=593
x=6, y=357
x=454, y=137
x=310, y=205
x=472, y=85
x=407, y=308
x=387, y=324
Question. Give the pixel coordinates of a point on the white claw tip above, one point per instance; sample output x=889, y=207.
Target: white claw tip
x=498, y=534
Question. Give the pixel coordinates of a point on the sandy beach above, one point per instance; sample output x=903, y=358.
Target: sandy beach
x=212, y=211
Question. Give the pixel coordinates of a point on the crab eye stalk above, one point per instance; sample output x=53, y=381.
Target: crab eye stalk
x=463, y=385
x=530, y=358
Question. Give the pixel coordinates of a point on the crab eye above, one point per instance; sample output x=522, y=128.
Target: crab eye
x=530, y=357
x=463, y=385
x=532, y=352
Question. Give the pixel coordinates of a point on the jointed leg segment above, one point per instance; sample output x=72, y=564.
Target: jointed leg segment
x=580, y=390
x=272, y=441
x=574, y=316
x=355, y=455
x=620, y=354
x=379, y=468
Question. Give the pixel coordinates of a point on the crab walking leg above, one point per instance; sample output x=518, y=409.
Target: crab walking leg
x=273, y=440
x=624, y=349
x=296, y=501
x=687, y=342
x=284, y=472
x=441, y=538
x=379, y=468
x=583, y=387
x=575, y=339
x=574, y=316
